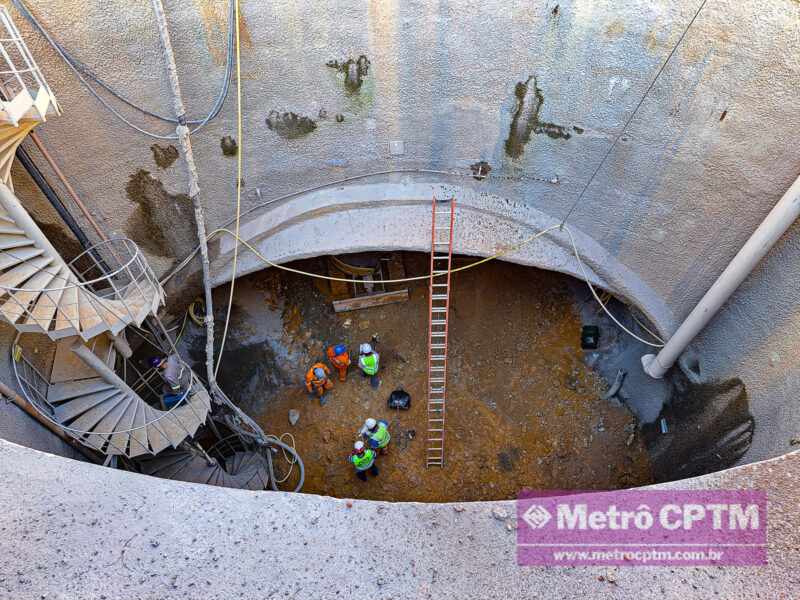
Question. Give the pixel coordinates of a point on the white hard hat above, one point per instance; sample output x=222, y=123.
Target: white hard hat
x=365, y=349
x=370, y=423
x=359, y=446
x=319, y=373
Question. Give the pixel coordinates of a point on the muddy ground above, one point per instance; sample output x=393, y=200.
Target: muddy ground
x=523, y=408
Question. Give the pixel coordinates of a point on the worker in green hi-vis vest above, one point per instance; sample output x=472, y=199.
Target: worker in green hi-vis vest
x=363, y=460
x=369, y=362
x=376, y=434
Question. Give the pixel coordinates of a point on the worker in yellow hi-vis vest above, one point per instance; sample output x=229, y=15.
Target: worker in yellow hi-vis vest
x=376, y=434
x=363, y=459
x=369, y=362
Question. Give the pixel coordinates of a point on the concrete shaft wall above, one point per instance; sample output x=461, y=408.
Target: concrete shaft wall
x=536, y=90
x=123, y=535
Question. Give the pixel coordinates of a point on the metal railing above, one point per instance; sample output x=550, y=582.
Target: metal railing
x=111, y=282
x=34, y=386
x=19, y=72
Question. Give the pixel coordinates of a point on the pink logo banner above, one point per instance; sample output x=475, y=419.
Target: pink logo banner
x=642, y=528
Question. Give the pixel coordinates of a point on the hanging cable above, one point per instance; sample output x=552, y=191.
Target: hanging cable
x=633, y=114
x=596, y=297
x=80, y=69
x=239, y=155
x=495, y=256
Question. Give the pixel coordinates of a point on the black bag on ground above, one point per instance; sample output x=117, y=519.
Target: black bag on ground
x=400, y=399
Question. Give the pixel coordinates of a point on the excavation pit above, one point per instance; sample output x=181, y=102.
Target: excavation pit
x=524, y=409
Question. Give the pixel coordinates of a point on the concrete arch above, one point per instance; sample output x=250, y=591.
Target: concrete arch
x=396, y=216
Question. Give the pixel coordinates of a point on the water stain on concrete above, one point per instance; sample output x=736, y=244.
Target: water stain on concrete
x=164, y=156
x=529, y=101
x=354, y=71
x=215, y=22
x=480, y=170
x=229, y=146
x=615, y=29
x=709, y=428
x=290, y=125
x=161, y=222
x=67, y=246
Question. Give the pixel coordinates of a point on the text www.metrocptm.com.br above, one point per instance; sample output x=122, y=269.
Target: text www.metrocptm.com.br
x=641, y=556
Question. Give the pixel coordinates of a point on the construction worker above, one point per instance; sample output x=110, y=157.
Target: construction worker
x=176, y=375
x=368, y=362
x=317, y=380
x=363, y=460
x=339, y=359
x=376, y=434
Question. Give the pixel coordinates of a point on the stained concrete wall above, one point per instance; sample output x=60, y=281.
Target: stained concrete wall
x=535, y=90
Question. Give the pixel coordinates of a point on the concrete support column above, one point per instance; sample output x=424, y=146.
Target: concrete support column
x=121, y=345
x=101, y=368
x=765, y=236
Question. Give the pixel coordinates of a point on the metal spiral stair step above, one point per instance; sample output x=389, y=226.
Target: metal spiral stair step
x=116, y=422
x=189, y=466
x=40, y=292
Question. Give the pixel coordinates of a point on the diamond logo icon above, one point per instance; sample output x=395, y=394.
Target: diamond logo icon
x=537, y=516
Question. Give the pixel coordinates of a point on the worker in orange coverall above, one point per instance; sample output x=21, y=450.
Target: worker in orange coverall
x=317, y=380
x=339, y=359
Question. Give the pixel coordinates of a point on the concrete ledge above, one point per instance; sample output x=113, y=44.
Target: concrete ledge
x=74, y=530
x=396, y=216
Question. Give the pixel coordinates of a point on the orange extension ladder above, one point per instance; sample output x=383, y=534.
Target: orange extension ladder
x=442, y=223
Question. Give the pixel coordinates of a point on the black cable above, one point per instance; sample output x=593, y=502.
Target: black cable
x=51, y=195
x=82, y=70
x=633, y=114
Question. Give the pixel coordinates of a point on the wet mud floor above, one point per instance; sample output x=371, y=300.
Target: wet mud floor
x=523, y=408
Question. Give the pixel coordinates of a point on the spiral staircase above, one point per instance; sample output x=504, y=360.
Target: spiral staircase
x=243, y=470
x=68, y=314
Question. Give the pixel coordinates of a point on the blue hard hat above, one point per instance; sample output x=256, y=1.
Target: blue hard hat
x=155, y=361
x=339, y=349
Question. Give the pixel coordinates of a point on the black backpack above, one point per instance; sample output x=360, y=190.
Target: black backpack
x=399, y=399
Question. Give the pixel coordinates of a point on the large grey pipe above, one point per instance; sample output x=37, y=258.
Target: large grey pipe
x=768, y=233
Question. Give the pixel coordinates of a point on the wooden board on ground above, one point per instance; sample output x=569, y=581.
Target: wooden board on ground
x=370, y=301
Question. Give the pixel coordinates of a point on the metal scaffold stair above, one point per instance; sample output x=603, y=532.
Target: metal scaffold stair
x=243, y=470
x=105, y=289
x=442, y=224
x=25, y=97
x=102, y=412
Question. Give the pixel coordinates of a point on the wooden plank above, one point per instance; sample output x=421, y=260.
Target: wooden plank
x=370, y=301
